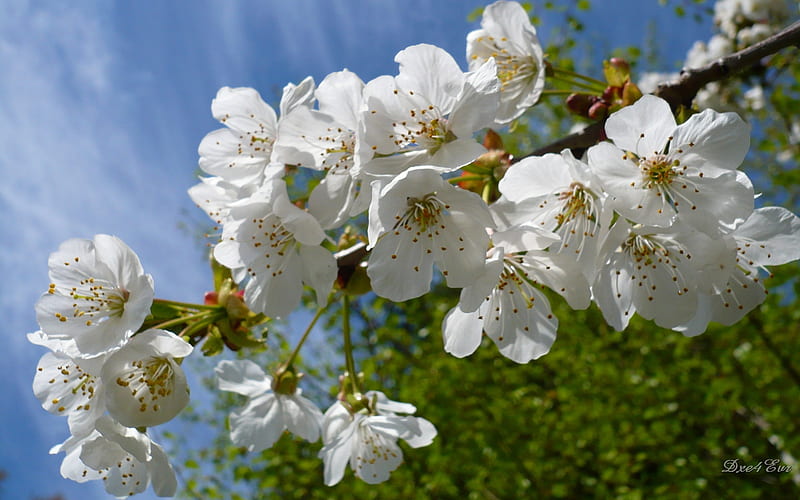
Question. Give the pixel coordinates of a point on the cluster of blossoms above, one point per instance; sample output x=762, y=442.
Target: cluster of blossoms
x=740, y=23
x=657, y=220
x=108, y=380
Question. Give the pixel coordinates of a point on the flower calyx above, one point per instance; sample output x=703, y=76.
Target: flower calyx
x=285, y=380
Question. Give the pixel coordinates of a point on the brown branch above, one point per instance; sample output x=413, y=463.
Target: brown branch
x=683, y=91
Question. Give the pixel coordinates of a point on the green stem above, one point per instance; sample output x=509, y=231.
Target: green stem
x=184, y=305
x=585, y=86
x=296, y=350
x=185, y=319
x=579, y=76
x=487, y=193
x=348, y=346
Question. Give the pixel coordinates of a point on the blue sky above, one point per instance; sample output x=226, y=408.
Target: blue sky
x=102, y=106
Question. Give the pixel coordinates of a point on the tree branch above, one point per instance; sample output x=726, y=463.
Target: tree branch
x=683, y=91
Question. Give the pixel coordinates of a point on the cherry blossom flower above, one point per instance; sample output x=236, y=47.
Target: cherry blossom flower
x=98, y=295
x=241, y=152
x=417, y=219
x=277, y=246
x=428, y=114
x=656, y=170
x=267, y=413
x=769, y=237
x=368, y=439
x=652, y=271
x=326, y=139
x=508, y=36
x=143, y=384
x=125, y=459
x=69, y=385
x=504, y=302
x=559, y=193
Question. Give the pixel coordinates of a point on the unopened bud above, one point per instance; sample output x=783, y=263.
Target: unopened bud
x=492, y=141
x=617, y=71
x=598, y=111
x=580, y=103
x=210, y=298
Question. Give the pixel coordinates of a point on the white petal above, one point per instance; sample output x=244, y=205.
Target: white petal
x=473, y=296
x=162, y=475
x=387, y=406
x=431, y=72
x=259, y=424
x=478, y=101
x=295, y=96
x=340, y=95
x=559, y=273
x=302, y=417
x=319, y=270
x=521, y=333
x=770, y=236
x=613, y=294
x=333, y=199
x=455, y=154
x=374, y=455
x=462, y=332
x=243, y=110
x=399, y=268
x=721, y=139
x=536, y=176
x=416, y=431
x=337, y=452
x=242, y=376
x=277, y=295
x=642, y=128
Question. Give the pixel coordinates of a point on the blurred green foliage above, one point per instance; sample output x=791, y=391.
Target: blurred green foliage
x=645, y=413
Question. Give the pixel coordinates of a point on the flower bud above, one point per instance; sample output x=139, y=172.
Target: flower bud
x=617, y=71
x=580, y=103
x=598, y=111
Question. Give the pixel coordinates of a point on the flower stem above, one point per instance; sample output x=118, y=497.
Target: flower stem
x=183, y=305
x=313, y=322
x=186, y=319
x=573, y=75
x=348, y=346
x=594, y=88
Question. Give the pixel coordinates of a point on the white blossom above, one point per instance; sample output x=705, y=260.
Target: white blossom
x=327, y=139
x=417, y=219
x=559, y=193
x=143, y=383
x=428, y=114
x=651, y=271
x=276, y=246
x=655, y=170
x=241, y=152
x=508, y=36
x=125, y=459
x=99, y=294
x=505, y=302
x=69, y=385
x=267, y=413
x=769, y=237
x=368, y=441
